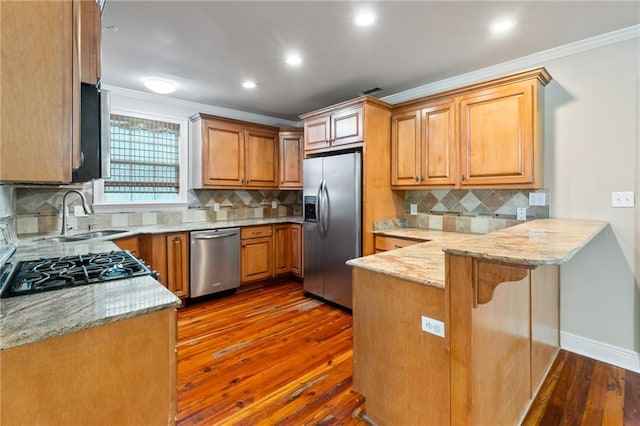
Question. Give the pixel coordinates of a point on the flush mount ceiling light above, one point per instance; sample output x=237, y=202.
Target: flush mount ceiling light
x=503, y=26
x=160, y=86
x=293, y=59
x=364, y=19
x=249, y=84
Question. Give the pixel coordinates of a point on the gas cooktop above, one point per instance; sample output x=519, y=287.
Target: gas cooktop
x=35, y=276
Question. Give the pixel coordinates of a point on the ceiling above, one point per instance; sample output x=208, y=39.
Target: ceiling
x=208, y=48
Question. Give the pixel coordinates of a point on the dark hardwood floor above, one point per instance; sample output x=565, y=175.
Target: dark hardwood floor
x=272, y=356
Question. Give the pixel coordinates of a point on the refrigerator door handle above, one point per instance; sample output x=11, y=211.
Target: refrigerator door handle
x=319, y=211
x=326, y=209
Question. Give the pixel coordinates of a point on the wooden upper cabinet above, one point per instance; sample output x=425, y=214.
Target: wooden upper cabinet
x=261, y=158
x=40, y=91
x=338, y=127
x=497, y=137
x=235, y=154
x=346, y=126
x=405, y=148
x=423, y=146
x=488, y=135
x=317, y=133
x=291, y=146
x=90, y=41
x=438, y=146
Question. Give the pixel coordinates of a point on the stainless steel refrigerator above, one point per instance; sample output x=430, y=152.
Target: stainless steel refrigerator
x=332, y=224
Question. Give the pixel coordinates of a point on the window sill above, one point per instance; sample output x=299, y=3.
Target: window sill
x=139, y=207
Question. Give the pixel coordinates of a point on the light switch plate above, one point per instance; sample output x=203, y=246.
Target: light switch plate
x=537, y=199
x=78, y=211
x=622, y=199
x=521, y=213
x=274, y=204
x=414, y=209
x=216, y=207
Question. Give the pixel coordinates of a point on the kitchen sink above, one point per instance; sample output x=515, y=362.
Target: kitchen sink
x=83, y=236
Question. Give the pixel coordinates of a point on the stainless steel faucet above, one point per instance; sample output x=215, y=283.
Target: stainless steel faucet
x=85, y=206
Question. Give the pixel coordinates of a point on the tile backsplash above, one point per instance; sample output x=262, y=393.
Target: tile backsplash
x=38, y=209
x=498, y=203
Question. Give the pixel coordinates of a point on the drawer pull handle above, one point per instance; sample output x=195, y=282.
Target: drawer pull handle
x=398, y=246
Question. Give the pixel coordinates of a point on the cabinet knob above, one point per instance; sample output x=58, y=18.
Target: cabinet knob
x=421, y=178
x=416, y=177
x=463, y=177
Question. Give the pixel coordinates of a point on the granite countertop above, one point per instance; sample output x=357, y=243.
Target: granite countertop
x=535, y=243
x=30, y=318
x=422, y=263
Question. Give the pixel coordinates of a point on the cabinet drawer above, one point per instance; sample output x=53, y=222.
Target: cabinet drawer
x=256, y=232
x=392, y=243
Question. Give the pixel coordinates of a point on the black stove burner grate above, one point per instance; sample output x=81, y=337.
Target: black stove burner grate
x=35, y=276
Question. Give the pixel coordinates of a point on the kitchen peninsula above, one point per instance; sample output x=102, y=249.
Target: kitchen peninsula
x=490, y=304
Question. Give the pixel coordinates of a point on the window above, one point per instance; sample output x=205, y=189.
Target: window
x=147, y=162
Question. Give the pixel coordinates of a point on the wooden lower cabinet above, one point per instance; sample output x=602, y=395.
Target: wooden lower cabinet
x=178, y=263
x=282, y=249
x=297, y=254
x=256, y=253
x=128, y=243
x=168, y=255
x=384, y=243
x=123, y=373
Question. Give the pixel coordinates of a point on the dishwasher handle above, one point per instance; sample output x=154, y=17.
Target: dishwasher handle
x=211, y=236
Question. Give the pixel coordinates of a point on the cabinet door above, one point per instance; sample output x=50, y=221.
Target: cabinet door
x=256, y=259
x=291, y=160
x=496, y=136
x=296, y=249
x=178, y=263
x=128, y=243
x=90, y=41
x=40, y=106
x=223, y=154
x=261, y=159
x=347, y=127
x=405, y=148
x=282, y=249
x=438, y=149
x=317, y=133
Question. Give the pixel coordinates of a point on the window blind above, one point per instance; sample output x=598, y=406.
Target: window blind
x=145, y=160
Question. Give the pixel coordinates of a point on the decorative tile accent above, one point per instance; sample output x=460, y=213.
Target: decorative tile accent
x=476, y=202
x=37, y=209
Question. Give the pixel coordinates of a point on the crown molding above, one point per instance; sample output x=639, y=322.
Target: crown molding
x=525, y=62
x=196, y=107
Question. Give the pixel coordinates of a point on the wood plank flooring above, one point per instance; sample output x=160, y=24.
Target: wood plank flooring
x=274, y=357
x=268, y=356
x=583, y=391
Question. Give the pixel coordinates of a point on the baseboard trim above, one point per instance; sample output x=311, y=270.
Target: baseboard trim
x=615, y=355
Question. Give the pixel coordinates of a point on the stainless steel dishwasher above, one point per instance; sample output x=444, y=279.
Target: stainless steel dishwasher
x=215, y=261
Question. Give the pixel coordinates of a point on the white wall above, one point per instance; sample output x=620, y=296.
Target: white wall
x=591, y=138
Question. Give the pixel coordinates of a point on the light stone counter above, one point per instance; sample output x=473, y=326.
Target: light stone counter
x=30, y=318
x=535, y=243
x=422, y=263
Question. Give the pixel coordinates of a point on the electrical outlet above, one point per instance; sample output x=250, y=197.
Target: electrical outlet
x=521, y=213
x=414, y=208
x=274, y=204
x=537, y=199
x=216, y=207
x=622, y=199
x=78, y=211
x=432, y=326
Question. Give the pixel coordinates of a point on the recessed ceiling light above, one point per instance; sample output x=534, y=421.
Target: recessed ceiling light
x=293, y=59
x=160, y=86
x=364, y=19
x=503, y=26
x=249, y=84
